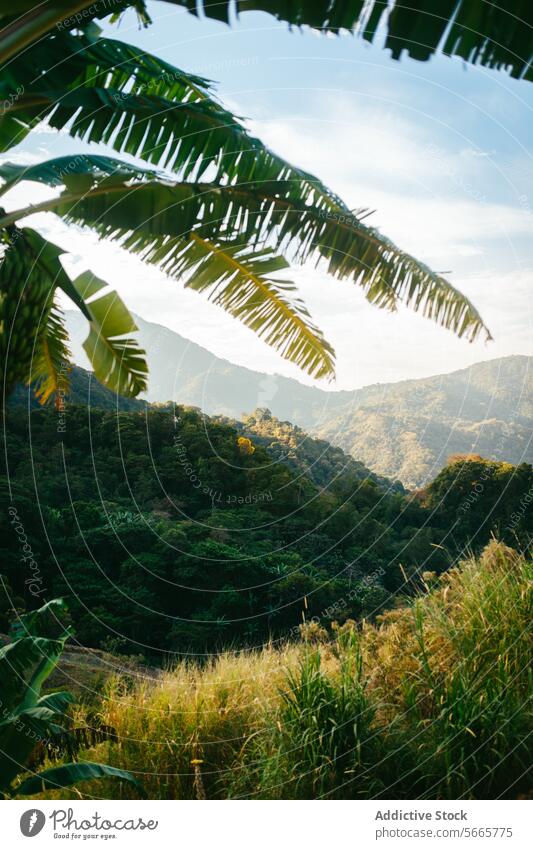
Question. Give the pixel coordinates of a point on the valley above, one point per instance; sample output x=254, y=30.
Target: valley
x=404, y=431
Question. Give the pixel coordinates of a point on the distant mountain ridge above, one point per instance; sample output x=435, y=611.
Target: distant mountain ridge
x=402, y=430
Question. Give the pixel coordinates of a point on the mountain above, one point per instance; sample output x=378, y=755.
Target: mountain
x=171, y=531
x=402, y=430
x=409, y=429
x=324, y=464
x=182, y=371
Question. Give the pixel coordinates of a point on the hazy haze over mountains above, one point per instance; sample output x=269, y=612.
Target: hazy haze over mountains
x=403, y=430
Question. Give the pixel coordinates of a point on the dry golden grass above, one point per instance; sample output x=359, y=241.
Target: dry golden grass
x=443, y=686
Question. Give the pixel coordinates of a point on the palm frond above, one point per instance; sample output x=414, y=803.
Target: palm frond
x=57, y=702
x=65, y=61
x=185, y=137
x=148, y=216
x=51, y=361
x=117, y=360
x=136, y=103
x=97, y=11
x=492, y=34
x=33, y=341
x=239, y=279
x=56, y=172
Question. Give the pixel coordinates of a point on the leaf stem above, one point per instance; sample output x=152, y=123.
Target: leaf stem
x=19, y=34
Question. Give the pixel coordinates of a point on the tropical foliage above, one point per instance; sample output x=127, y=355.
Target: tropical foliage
x=178, y=537
x=316, y=459
x=476, y=495
x=431, y=702
x=29, y=718
x=208, y=204
x=498, y=36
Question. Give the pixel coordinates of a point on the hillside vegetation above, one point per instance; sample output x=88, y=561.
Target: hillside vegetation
x=304, y=454
x=171, y=532
x=433, y=701
x=404, y=431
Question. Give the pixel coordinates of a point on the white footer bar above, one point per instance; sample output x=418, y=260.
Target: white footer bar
x=267, y=825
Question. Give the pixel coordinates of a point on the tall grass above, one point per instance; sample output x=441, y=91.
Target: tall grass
x=323, y=734
x=433, y=701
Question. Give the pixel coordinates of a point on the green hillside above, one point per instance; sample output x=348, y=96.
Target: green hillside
x=170, y=531
x=404, y=431
x=327, y=465
x=409, y=429
x=177, y=533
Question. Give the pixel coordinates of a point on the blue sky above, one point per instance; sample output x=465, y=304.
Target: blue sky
x=441, y=151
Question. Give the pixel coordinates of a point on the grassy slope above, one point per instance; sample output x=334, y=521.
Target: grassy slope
x=430, y=703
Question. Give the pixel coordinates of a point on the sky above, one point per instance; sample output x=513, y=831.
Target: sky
x=440, y=150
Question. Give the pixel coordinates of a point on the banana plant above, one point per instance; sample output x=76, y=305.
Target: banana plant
x=494, y=35
x=28, y=717
x=203, y=200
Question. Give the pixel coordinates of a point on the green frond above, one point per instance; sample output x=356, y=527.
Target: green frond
x=66, y=62
x=26, y=291
x=57, y=702
x=96, y=11
x=51, y=362
x=56, y=172
x=18, y=659
x=33, y=341
x=495, y=35
x=147, y=216
x=239, y=279
x=117, y=360
x=66, y=775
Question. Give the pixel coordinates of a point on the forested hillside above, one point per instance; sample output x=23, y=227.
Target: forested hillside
x=169, y=531
x=409, y=429
x=287, y=443
x=178, y=533
x=404, y=431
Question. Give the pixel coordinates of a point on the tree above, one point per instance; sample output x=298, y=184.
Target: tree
x=209, y=205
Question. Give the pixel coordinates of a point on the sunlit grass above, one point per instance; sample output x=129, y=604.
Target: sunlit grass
x=433, y=701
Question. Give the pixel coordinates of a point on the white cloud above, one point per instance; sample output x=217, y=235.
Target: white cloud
x=429, y=199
